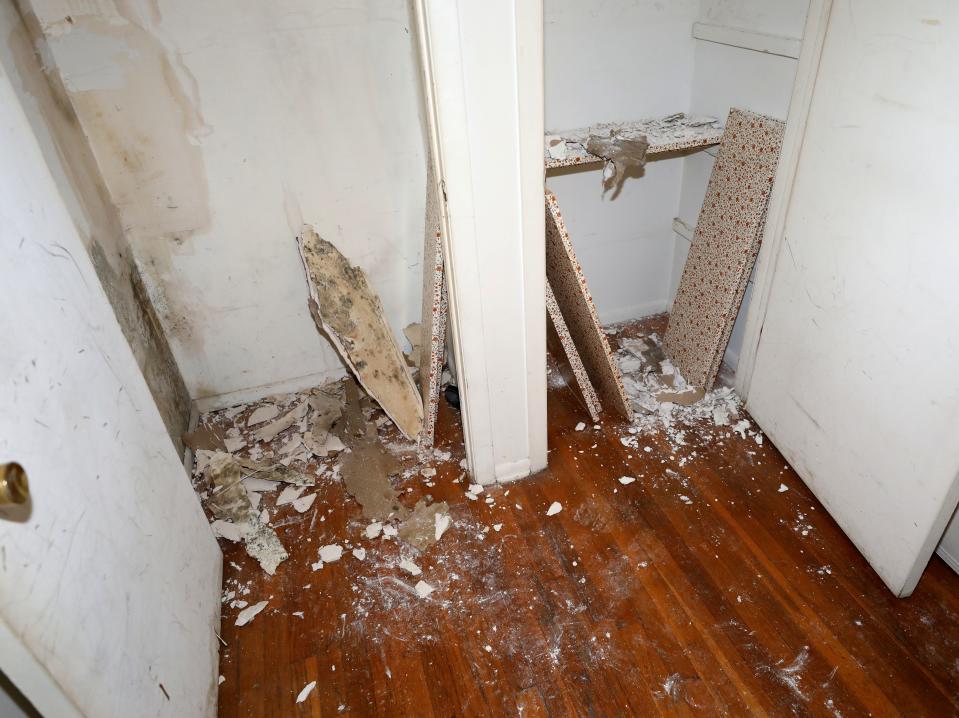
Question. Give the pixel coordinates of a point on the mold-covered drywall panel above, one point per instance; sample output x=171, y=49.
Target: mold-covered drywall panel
x=24, y=55
x=617, y=61
x=221, y=127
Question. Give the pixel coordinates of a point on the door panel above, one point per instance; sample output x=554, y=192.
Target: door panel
x=856, y=377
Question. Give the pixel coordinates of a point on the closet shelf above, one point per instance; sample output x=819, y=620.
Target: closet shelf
x=664, y=134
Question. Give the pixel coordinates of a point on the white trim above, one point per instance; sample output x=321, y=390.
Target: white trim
x=817, y=22
x=255, y=393
x=510, y=471
x=476, y=56
x=684, y=229
x=951, y=561
x=748, y=39
x=530, y=100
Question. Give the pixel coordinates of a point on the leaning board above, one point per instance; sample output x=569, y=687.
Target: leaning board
x=724, y=246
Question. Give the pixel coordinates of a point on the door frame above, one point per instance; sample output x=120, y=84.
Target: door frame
x=807, y=70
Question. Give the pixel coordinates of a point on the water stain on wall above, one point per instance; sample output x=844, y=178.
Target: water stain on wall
x=75, y=169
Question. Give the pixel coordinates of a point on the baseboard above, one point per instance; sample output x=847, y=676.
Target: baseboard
x=637, y=311
x=244, y=396
x=951, y=561
x=512, y=470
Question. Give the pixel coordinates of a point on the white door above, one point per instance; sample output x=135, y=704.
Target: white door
x=856, y=376
x=109, y=576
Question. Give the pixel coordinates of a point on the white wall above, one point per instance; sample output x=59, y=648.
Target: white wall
x=617, y=61
x=111, y=576
x=726, y=76
x=219, y=127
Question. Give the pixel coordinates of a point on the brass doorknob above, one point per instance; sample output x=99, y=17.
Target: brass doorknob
x=14, y=488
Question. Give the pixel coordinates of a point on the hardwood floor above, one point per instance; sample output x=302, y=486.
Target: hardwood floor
x=699, y=588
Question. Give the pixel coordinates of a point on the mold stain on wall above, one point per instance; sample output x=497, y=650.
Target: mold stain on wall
x=75, y=169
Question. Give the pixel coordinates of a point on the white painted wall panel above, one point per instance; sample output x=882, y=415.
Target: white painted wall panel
x=111, y=576
x=617, y=61
x=219, y=127
x=855, y=377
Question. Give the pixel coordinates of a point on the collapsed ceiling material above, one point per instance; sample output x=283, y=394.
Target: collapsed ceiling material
x=250, y=493
x=568, y=284
x=624, y=151
x=724, y=247
x=348, y=312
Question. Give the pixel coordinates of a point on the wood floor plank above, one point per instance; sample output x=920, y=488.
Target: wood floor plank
x=698, y=589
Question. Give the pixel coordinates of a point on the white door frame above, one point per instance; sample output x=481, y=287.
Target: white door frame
x=814, y=37
x=483, y=81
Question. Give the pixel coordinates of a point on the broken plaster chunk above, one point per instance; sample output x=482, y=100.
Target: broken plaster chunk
x=331, y=553
x=475, y=489
x=554, y=508
x=262, y=413
x=305, y=693
x=304, y=503
x=270, y=431
x=428, y=472
x=556, y=146
x=410, y=567
x=441, y=524
x=423, y=589
x=626, y=480
x=389, y=531
x=289, y=495
x=580, y=426
x=264, y=545
x=782, y=488
x=419, y=530
x=249, y=613
x=497, y=527
x=230, y=531
x=359, y=554
x=374, y=530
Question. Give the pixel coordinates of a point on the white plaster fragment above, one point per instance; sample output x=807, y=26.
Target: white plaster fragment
x=330, y=553
x=305, y=693
x=374, y=530
x=289, y=495
x=230, y=531
x=442, y=522
x=410, y=567
x=782, y=488
x=554, y=508
x=359, y=553
x=249, y=613
x=626, y=480
x=580, y=426
x=262, y=413
x=423, y=589
x=304, y=503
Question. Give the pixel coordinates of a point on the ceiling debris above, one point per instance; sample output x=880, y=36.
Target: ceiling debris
x=426, y=524
x=250, y=612
x=623, y=148
x=305, y=693
x=348, y=311
x=269, y=431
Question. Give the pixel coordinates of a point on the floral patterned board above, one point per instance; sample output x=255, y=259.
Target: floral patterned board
x=566, y=278
x=434, y=313
x=580, y=379
x=724, y=246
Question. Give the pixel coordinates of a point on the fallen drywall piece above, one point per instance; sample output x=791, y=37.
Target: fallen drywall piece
x=561, y=344
x=249, y=613
x=270, y=431
x=423, y=589
x=275, y=472
x=434, y=311
x=289, y=495
x=230, y=501
x=303, y=504
x=626, y=480
x=420, y=530
x=725, y=245
x=554, y=508
x=331, y=553
x=565, y=276
x=347, y=310
x=262, y=413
